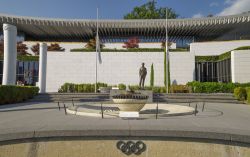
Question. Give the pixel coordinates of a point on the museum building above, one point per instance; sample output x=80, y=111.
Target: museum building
x=210, y=49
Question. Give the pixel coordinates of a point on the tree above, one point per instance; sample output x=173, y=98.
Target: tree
x=166, y=70
x=132, y=43
x=149, y=11
x=22, y=48
x=55, y=47
x=91, y=44
x=163, y=44
x=1, y=46
x=35, y=49
x=152, y=75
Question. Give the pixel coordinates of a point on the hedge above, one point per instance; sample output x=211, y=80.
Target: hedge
x=223, y=56
x=154, y=89
x=248, y=94
x=180, y=89
x=90, y=88
x=215, y=87
x=243, y=48
x=14, y=94
x=130, y=50
x=80, y=88
x=24, y=58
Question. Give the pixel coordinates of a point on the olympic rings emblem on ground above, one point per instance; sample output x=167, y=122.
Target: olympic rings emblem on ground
x=131, y=147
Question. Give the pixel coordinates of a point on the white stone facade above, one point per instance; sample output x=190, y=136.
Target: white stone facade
x=116, y=67
x=216, y=47
x=182, y=67
x=240, y=66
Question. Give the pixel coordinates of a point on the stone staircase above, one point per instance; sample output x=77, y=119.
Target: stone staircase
x=170, y=98
x=196, y=97
x=68, y=97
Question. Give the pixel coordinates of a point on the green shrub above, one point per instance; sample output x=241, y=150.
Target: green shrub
x=80, y=88
x=179, y=89
x=152, y=75
x=248, y=94
x=134, y=87
x=211, y=87
x=243, y=48
x=120, y=50
x=15, y=94
x=24, y=58
x=130, y=50
x=90, y=88
x=215, y=87
x=165, y=67
x=240, y=93
x=159, y=89
x=122, y=86
x=99, y=84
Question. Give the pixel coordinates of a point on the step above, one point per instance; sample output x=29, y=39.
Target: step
x=173, y=97
x=198, y=100
x=192, y=97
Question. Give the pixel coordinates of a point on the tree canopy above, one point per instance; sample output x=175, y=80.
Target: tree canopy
x=149, y=11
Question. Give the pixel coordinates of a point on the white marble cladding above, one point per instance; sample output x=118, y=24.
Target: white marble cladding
x=240, y=66
x=216, y=47
x=116, y=67
x=182, y=67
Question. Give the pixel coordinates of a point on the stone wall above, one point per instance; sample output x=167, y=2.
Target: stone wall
x=182, y=67
x=116, y=67
x=108, y=148
x=240, y=66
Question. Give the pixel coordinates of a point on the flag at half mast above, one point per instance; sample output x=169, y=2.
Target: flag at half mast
x=98, y=44
x=98, y=48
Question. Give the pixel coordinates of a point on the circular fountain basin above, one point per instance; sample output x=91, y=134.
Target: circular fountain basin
x=148, y=111
x=130, y=104
x=130, y=101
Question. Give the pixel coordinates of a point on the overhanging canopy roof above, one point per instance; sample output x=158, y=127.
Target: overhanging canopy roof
x=81, y=29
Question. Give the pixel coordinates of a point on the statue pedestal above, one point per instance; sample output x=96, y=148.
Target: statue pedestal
x=124, y=114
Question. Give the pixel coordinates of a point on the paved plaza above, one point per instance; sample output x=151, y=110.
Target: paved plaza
x=30, y=119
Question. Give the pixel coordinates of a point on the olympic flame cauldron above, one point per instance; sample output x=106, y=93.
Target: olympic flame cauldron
x=130, y=101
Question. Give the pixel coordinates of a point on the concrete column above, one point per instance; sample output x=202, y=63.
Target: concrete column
x=42, y=67
x=10, y=54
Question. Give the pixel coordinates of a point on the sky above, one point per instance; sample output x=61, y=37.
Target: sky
x=116, y=9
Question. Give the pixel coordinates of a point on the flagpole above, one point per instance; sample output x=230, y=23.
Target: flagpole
x=167, y=53
x=96, y=51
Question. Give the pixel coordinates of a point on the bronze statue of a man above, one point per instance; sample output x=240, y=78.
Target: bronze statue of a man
x=142, y=74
